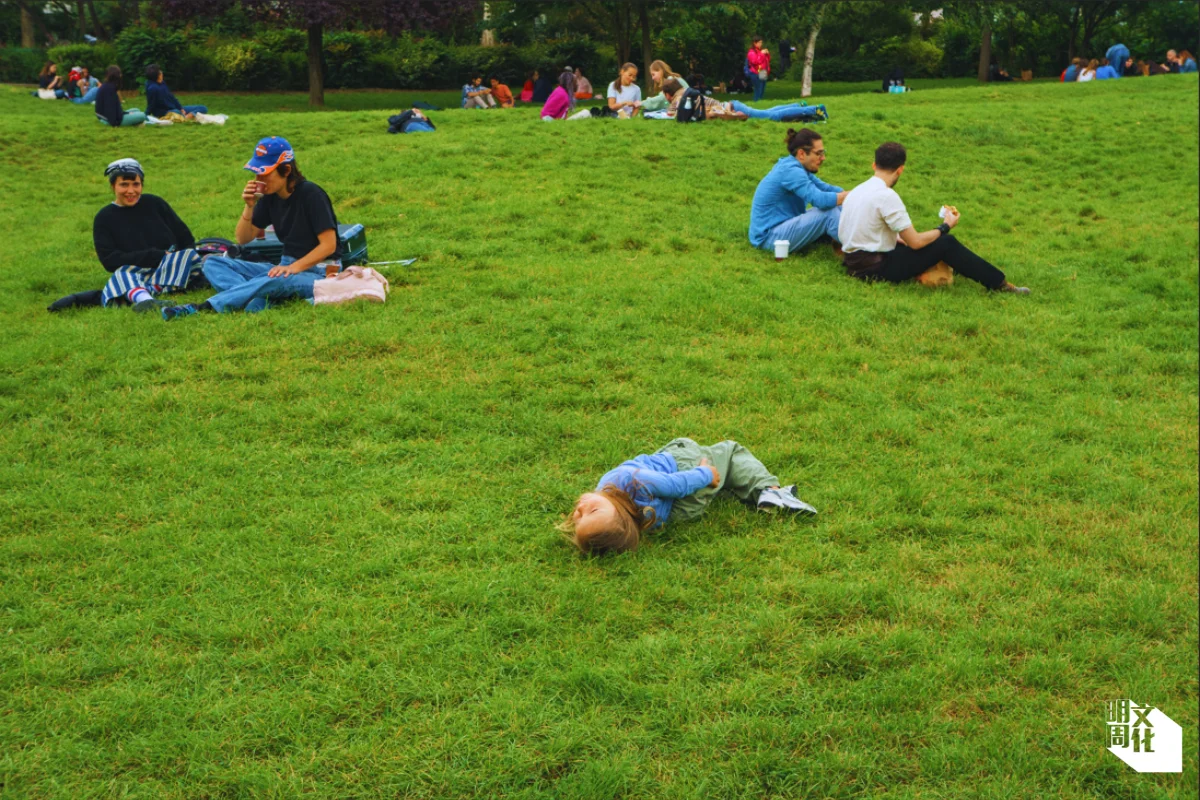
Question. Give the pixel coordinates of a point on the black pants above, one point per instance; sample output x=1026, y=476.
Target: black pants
x=904, y=263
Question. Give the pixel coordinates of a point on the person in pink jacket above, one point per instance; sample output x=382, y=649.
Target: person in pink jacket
x=561, y=101
x=758, y=66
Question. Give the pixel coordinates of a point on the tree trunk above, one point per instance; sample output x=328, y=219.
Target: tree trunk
x=647, y=55
x=316, y=77
x=27, y=38
x=809, y=52
x=488, y=38
x=985, y=51
x=1073, y=26
x=82, y=20
x=97, y=28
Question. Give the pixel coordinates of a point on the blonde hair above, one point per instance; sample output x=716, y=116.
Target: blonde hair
x=666, y=71
x=1092, y=65
x=630, y=520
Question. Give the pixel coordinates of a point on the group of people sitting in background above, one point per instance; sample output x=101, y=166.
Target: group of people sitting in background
x=669, y=91
x=1119, y=63
x=81, y=87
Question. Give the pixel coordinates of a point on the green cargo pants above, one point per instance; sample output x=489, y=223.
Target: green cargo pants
x=741, y=473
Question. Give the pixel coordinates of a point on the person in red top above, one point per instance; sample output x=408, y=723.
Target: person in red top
x=758, y=65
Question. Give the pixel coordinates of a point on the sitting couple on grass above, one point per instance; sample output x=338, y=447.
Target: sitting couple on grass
x=150, y=251
x=792, y=204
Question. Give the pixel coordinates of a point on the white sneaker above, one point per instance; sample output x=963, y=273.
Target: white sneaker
x=771, y=500
x=795, y=504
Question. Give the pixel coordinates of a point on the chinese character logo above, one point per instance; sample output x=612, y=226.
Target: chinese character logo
x=1144, y=737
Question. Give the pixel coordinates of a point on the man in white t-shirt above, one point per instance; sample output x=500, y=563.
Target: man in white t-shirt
x=874, y=218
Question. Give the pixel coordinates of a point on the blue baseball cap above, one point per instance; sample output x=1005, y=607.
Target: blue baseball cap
x=269, y=154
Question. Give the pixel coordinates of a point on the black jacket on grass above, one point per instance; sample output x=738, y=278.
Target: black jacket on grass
x=138, y=236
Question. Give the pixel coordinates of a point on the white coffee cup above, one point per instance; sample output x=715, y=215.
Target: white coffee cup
x=781, y=249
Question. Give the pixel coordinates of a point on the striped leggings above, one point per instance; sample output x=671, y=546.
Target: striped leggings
x=171, y=275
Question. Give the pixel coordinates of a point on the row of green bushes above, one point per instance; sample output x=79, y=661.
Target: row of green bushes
x=276, y=59
x=918, y=58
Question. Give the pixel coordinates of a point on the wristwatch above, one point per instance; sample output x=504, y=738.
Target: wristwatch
x=944, y=228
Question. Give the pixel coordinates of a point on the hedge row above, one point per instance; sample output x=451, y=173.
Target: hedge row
x=918, y=58
x=276, y=59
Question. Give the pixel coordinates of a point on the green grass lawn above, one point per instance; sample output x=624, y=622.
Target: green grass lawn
x=311, y=552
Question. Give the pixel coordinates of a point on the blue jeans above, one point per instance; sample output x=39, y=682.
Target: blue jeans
x=245, y=285
x=777, y=113
x=418, y=126
x=806, y=228
x=132, y=117
x=760, y=86
x=195, y=109
x=89, y=97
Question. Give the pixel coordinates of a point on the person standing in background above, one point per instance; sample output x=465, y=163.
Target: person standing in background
x=758, y=67
x=786, y=49
x=1116, y=56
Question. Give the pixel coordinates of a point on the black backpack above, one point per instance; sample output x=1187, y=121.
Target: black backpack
x=691, y=107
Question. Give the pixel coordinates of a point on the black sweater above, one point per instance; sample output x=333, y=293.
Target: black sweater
x=138, y=235
x=108, y=104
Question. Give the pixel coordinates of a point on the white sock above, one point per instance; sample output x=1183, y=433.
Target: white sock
x=138, y=295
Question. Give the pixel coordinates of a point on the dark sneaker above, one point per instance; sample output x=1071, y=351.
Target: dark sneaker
x=149, y=305
x=174, y=312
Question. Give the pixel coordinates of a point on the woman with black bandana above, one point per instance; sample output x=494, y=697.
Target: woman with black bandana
x=142, y=241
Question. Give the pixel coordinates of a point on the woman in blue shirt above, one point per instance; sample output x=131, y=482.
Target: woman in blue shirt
x=677, y=482
x=778, y=210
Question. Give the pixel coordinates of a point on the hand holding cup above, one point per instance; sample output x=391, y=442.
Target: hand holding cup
x=253, y=192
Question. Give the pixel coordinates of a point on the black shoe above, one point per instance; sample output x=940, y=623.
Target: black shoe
x=77, y=300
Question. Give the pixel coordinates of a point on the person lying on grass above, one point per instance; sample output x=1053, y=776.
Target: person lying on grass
x=880, y=242
x=678, y=482
x=142, y=241
x=304, y=222
x=778, y=210
x=411, y=121
x=736, y=109
x=675, y=92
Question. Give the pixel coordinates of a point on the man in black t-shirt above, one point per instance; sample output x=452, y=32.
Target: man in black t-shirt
x=304, y=222
x=142, y=241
